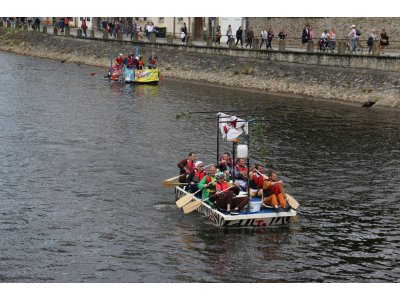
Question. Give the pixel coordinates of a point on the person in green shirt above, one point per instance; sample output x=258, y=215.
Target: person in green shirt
x=207, y=183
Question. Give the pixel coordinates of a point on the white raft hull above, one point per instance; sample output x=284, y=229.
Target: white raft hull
x=266, y=217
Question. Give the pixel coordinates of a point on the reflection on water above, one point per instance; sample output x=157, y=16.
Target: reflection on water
x=82, y=159
x=134, y=90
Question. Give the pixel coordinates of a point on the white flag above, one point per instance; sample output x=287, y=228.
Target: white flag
x=231, y=126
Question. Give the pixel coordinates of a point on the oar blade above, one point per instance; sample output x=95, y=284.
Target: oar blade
x=184, y=200
x=292, y=202
x=173, y=181
x=294, y=219
x=170, y=184
x=188, y=208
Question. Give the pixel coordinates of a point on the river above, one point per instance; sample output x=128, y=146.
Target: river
x=82, y=160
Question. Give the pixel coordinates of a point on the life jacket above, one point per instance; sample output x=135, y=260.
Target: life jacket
x=273, y=189
x=225, y=166
x=199, y=175
x=209, y=179
x=211, y=187
x=140, y=64
x=130, y=62
x=119, y=60
x=240, y=169
x=190, y=165
x=220, y=186
x=153, y=61
x=258, y=180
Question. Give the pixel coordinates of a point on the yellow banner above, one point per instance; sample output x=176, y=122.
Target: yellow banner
x=148, y=75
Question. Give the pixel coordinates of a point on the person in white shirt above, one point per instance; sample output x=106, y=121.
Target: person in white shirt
x=264, y=38
x=353, y=36
x=150, y=29
x=323, y=41
x=228, y=34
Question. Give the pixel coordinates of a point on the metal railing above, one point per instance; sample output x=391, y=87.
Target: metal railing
x=290, y=43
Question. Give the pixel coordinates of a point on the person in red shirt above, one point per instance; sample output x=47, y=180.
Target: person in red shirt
x=66, y=23
x=141, y=66
x=84, y=27
x=152, y=62
x=186, y=166
x=119, y=59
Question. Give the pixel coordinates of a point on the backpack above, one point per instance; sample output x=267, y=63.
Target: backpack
x=358, y=32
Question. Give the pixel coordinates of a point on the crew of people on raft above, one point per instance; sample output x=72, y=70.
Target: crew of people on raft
x=214, y=184
x=130, y=61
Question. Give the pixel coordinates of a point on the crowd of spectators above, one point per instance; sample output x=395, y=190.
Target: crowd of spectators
x=327, y=40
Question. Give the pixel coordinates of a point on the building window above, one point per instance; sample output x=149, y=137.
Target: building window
x=180, y=19
x=161, y=20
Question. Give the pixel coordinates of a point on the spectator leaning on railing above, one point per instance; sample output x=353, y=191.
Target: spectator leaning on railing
x=282, y=34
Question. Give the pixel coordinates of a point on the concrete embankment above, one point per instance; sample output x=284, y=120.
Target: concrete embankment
x=349, y=79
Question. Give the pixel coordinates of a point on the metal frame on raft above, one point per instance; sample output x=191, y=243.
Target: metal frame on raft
x=234, y=143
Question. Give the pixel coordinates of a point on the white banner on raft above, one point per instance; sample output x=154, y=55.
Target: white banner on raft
x=231, y=127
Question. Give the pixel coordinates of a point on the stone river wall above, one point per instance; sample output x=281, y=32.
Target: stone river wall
x=346, y=78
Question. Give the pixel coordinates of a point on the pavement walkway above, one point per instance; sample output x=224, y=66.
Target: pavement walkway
x=291, y=44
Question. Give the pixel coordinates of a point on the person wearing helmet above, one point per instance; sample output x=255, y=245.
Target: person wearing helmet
x=225, y=199
x=208, y=183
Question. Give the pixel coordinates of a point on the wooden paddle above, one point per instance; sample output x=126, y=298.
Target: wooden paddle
x=263, y=175
x=171, y=181
x=173, y=184
x=292, y=202
x=187, y=198
x=197, y=203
